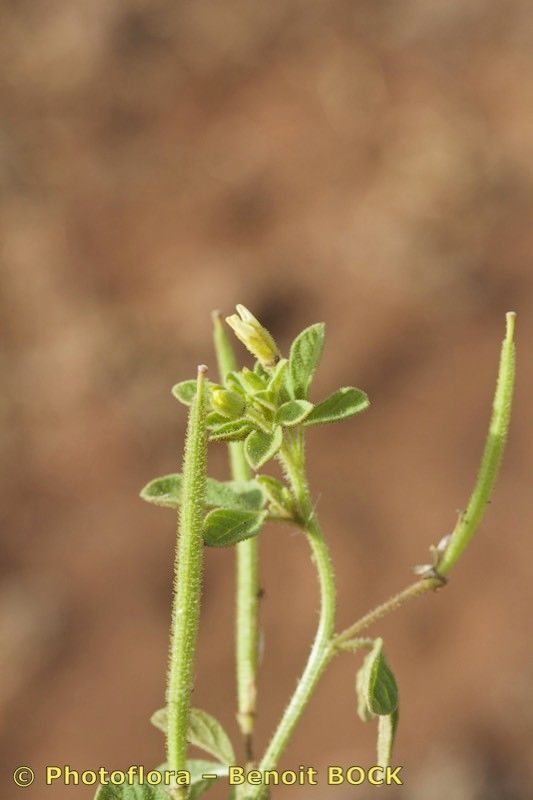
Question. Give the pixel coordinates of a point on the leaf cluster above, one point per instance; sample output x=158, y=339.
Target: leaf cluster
x=259, y=407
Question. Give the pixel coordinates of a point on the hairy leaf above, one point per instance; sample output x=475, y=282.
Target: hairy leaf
x=341, y=404
x=377, y=695
x=166, y=492
x=214, y=419
x=185, y=391
x=136, y=791
x=266, y=398
x=224, y=527
x=198, y=768
x=251, y=381
x=260, y=447
x=378, y=684
x=233, y=382
x=293, y=412
x=279, y=495
x=304, y=358
x=234, y=431
x=279, y=376
x=204, y=731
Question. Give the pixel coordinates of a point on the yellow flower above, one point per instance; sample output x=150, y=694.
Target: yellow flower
x=254, y=337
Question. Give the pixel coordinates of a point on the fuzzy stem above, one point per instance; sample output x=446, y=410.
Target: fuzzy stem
x=469, y=521
x=247, y=578
x=187, y=584
x=293, y=460
x=414, y=590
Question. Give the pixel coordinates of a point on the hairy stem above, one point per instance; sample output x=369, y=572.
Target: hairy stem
x=492, y=455
x=187, y=584
x=293, y=460
x=414, y=590
x=247, y=583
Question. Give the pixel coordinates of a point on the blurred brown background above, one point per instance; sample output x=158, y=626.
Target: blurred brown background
x=368, y=164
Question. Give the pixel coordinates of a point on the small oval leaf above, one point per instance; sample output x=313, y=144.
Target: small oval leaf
x=224, y=527
x=135, y=791
x=377, y=694
x=293, y=412
x=196, y=769
x=234, y=431
x=260, y=447
x=341, y=404
x=278, y=495
x=304, y=358
x=204, y=731
x=378, y=683
x=185, y=392
x=166, y=492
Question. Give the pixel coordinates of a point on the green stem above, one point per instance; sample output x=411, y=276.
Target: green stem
x=492, y=455
x=187, y=584
x=247, y=578
x=415, y=589
x=293, y=460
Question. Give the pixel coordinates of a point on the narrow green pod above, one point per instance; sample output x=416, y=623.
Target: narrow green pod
x=471, y=518
x=187, y=581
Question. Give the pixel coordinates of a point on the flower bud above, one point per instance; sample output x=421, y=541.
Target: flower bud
x=229, y=404
x=254, y=337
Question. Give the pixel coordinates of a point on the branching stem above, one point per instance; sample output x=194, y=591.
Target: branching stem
x=326, y=644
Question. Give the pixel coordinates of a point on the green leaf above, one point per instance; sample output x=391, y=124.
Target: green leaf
x=232, y=381
x=278, y=495
x=378, y=684
x=279, y=375
x=214, y=419
x=204, y=731
x=224, y=527
x=260, y=370
x=159, y=719
x=260, y=447
x=387, y=726
x=166, y=492
x=245, y=495
x=234, y=431
x=266, y=398
x=293, y=412
x=198, y=768
x=251, y=381
x=341, y=404
x=304, y=357
x=136, y=791
x=377, y=695
x=185, y=391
